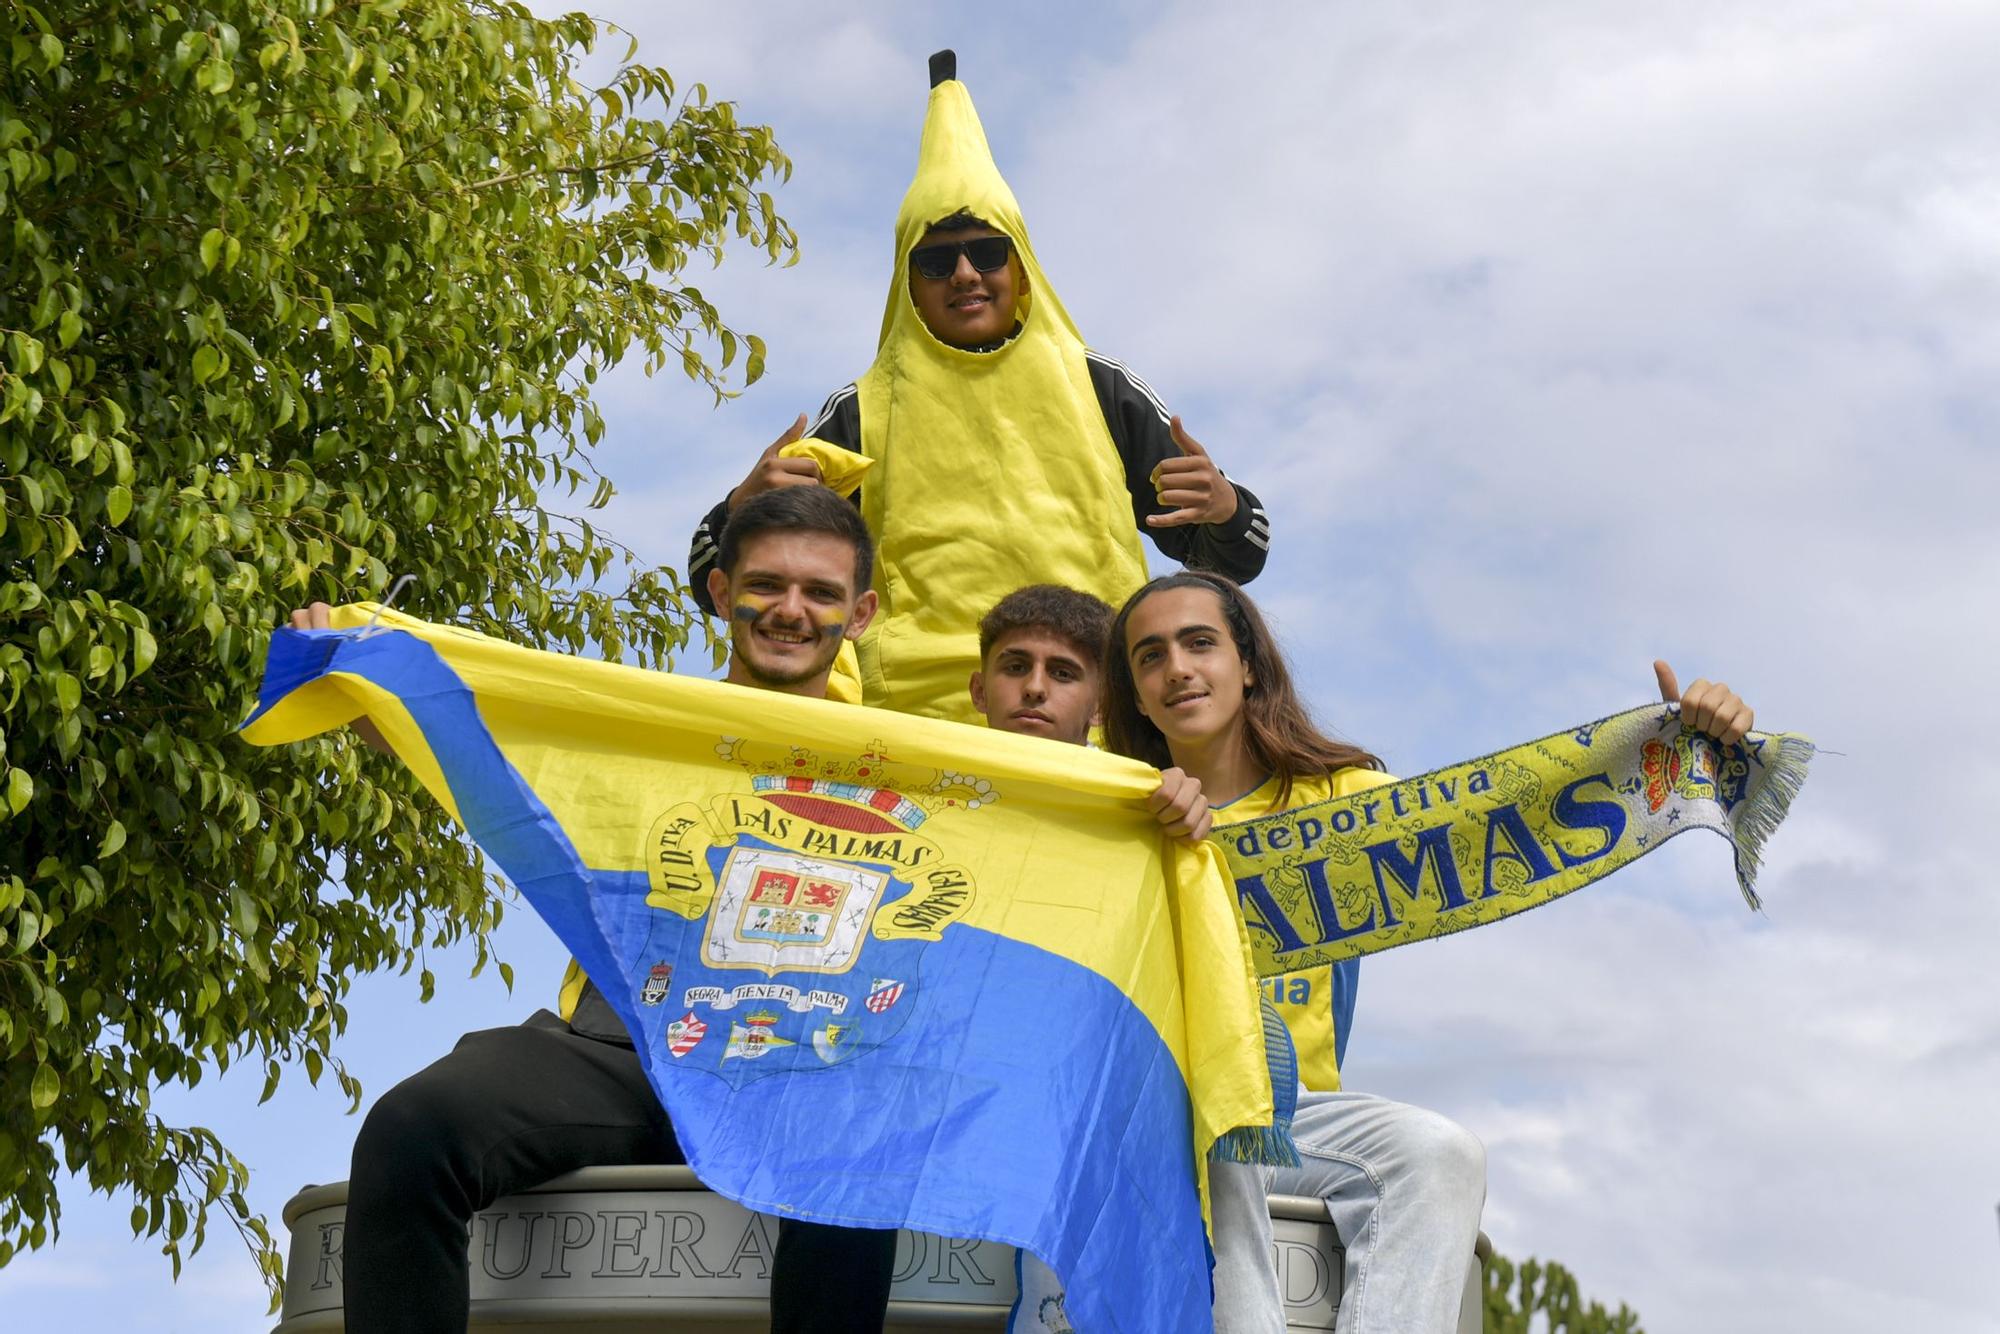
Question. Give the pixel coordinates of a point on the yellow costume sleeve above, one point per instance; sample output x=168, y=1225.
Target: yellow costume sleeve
x=840, y=470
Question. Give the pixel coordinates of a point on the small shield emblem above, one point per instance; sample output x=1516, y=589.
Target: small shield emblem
x=756, y=1037
x=685, y=1034
x=836, y=1042
x=658, y=982
x=883, y=993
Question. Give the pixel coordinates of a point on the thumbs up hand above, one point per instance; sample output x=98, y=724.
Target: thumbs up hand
x=771, y=472
x=1707, y=706
x=1192, y=485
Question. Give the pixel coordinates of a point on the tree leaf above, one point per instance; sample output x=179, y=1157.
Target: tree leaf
x=20, y=790
x=243, y=910
x=43, y=1091
x=144, y=649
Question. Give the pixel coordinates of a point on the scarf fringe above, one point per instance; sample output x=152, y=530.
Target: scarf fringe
x=1270, y=1146
x=1765, y=810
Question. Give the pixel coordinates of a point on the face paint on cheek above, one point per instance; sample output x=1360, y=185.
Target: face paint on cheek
x=749, y=607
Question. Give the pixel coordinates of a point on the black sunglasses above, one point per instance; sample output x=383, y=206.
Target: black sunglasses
x=987, y=253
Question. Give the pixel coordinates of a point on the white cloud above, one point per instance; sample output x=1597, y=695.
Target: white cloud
x=1556, y=336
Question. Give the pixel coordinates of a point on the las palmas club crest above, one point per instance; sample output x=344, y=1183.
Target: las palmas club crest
x=780, y=911
x=793, y=918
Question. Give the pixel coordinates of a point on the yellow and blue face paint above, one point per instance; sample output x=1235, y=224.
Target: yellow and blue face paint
x=749, y=608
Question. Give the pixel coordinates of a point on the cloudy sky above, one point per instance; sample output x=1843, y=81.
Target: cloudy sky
x=1555, y=336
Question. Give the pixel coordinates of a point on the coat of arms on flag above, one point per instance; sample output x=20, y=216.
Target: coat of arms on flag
x=835, y=1042
x=685, y=1034
x=754, y=1037
x=777, y=910
x=658, y=982
x=1693, y=767
x=803, y=882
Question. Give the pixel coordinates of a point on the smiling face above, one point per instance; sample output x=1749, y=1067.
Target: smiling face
x=1037, y=683
x=791, y=601
x=1186, y=673
x=968, y=308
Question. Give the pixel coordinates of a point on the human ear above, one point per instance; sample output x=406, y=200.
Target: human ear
x=978, y=687
x=718, y=590
x=864, y=612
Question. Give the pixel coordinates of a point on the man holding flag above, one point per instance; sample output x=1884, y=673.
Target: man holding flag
x=509, y=1108
x=512, y=1107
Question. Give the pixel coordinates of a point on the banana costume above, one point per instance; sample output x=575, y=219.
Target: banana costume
x=1027, y=445
x=1023, y=463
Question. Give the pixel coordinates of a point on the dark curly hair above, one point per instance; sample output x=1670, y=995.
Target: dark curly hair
x=1073, y=615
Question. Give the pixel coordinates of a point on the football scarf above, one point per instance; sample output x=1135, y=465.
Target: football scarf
x=1492, y=837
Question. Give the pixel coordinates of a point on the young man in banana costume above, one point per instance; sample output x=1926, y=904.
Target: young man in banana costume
x=988, y=447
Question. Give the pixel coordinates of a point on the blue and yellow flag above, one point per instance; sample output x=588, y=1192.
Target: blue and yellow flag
x=883, y=971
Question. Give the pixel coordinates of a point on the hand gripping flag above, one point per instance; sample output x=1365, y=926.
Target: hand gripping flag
x=883, y=971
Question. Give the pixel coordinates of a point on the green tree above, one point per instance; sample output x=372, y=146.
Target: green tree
x=293, y=294
x=1513, y=1296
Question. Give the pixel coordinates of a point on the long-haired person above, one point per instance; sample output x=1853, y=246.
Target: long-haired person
x=1194, y=679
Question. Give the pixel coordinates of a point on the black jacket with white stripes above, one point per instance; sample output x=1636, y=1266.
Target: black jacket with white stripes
x=1140, y=431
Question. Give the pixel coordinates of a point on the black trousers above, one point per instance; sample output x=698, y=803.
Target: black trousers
x=511, y=1108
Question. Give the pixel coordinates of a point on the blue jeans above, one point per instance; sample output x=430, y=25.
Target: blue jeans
x=1404, y=1188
